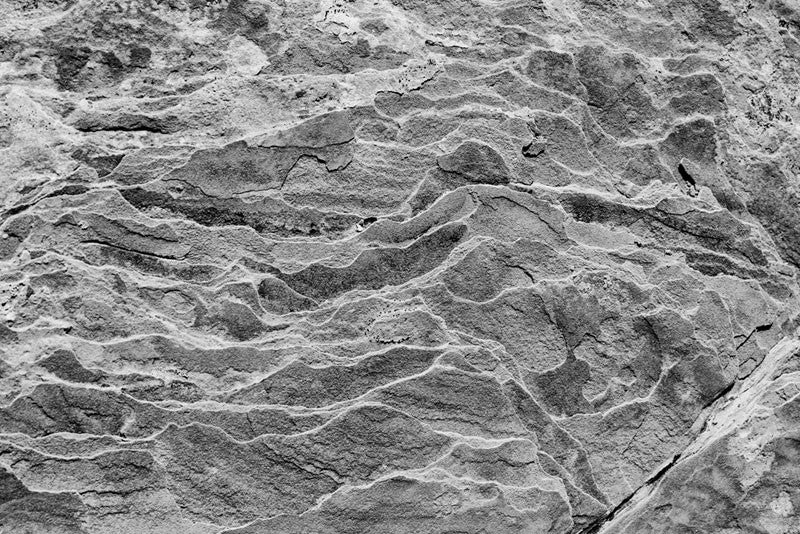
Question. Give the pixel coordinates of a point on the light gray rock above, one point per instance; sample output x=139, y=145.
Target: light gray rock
x=404, y=266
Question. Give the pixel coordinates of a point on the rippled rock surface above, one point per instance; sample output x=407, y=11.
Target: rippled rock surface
x=399, y=266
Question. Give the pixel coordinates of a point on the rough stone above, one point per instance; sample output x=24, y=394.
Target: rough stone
x=399, y=266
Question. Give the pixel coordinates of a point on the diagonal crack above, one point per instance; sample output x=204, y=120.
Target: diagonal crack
x=596, y=526
x=760, y=328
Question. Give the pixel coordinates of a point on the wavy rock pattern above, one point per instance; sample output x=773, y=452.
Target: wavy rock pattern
x=399, y=266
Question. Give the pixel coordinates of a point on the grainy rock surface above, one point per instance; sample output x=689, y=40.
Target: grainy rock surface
x=399, y=266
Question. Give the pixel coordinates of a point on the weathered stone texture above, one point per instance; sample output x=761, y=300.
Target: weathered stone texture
x=399, y=266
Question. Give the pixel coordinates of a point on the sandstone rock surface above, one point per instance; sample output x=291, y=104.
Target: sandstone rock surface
x=399, y=266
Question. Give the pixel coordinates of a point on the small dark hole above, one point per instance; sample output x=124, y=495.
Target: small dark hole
x=685, y=175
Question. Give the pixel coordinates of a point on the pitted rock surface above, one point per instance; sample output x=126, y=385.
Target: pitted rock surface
x=399, y=266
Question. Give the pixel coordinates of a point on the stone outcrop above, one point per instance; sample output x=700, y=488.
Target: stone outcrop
x=399, y=266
